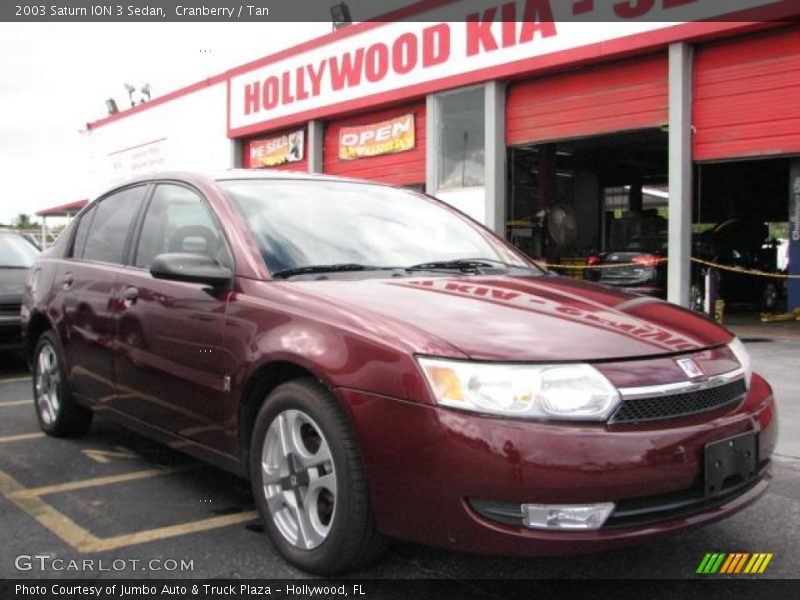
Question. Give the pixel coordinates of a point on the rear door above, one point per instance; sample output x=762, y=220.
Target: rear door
x=86, y=284
x=170, y=359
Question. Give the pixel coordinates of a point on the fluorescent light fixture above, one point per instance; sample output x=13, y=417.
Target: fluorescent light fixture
x=340, y=14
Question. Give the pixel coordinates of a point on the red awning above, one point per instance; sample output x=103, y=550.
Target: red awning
x=63, y=210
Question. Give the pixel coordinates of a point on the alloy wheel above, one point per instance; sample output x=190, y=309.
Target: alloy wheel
x=46, y=379
x=299, y=479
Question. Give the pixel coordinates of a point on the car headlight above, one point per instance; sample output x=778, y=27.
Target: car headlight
x=743, y=356
x=569, y=391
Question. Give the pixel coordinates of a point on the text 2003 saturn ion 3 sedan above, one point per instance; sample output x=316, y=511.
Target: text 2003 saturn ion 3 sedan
x=381, y=366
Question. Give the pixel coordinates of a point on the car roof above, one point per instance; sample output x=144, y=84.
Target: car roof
x=277, y=174
x=236, y=174
x=211, y=177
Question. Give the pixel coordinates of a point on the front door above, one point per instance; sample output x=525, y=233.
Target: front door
x=170, y=360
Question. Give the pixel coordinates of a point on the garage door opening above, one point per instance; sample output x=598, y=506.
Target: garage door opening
x=574, y=199
x=741, y=220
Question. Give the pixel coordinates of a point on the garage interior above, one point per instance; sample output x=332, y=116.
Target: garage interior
x=572, y=199
x=567, y=199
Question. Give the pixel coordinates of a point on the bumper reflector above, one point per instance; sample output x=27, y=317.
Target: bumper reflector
x=566, y=516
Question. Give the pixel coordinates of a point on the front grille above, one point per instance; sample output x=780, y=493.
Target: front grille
x=678, y=405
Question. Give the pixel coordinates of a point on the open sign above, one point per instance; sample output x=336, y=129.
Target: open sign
x=385, y=137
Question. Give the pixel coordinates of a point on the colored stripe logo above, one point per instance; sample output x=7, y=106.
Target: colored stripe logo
x=734, y=563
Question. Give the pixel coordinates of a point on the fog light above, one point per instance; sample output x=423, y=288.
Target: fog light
x=567, y=516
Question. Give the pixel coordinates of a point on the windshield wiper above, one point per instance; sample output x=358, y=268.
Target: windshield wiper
x=340, y=267
x=460, y=264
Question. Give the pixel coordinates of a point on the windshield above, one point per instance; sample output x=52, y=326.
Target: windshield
x=305, y=223
x=16, y=252
x=648, y=244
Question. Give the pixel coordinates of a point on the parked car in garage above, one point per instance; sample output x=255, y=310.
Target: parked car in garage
x=734, y=243
x=379, y=365
x=17, y=254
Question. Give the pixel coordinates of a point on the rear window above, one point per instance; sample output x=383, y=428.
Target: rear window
x=16, y=252
x=653, y=244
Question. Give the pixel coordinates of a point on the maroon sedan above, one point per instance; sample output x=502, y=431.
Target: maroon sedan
x=380, y=366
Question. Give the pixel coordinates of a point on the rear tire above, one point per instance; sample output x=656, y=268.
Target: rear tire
x=697, y=298
x=58, y=413
x=309, y=483
x=769, y=298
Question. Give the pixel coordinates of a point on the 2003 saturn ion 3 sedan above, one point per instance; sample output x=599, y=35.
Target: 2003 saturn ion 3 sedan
x=379, y=365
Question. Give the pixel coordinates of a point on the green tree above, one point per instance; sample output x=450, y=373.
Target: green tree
x=23, y=221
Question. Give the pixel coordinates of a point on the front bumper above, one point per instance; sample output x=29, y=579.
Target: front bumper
x=426, y=466
x=10, y=332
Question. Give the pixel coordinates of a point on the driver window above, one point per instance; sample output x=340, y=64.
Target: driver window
x=178, y=220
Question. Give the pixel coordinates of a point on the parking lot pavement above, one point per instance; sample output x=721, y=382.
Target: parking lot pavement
x=778, y=360
x=122, y=501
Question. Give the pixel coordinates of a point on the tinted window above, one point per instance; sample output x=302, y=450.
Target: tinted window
x=113, y=219
x=16, y=252
x=178, y=220
x=83, y=229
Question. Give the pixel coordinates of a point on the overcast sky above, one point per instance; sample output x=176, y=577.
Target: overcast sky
x=54, y=78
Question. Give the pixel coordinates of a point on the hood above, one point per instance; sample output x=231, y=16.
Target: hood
x=527, y=318
x=12, y=284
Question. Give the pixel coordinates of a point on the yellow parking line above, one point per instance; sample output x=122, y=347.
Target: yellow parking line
x=20, y=437
x=55, y=521
x=98, y=481
x=15, y=379
x=160, y=533
x=83, y=540
x=16, y=403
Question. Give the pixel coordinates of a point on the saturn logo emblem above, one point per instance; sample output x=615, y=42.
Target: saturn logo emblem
x=691, y=368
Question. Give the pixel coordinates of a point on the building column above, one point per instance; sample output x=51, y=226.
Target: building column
x=793, y=299
x=430, y=144
x=495, y=156
x=680, y=173
x=316, y=139
x=237, y=153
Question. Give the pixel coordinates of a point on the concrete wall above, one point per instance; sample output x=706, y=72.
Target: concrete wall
x=186, y=133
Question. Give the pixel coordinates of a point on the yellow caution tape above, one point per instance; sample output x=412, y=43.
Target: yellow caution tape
x=792, y=316
x=743, y=270
x=707, y=263
x=607, y=266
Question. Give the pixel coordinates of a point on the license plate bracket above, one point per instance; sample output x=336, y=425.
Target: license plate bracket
x=730, y=462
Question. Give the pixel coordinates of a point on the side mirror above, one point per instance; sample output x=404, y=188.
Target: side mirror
x=191, y=268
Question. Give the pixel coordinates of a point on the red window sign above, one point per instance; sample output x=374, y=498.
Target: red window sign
x=277, y=150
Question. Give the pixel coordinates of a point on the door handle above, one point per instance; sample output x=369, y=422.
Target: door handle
x=130, y=296
x=67, y=281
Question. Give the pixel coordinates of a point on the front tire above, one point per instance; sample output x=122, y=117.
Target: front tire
x=58, y=413
x=309, y=483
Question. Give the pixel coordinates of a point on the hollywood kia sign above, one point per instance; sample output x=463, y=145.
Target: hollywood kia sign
x=380, y=62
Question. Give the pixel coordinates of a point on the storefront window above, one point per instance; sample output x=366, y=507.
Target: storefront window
x=460, y=148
